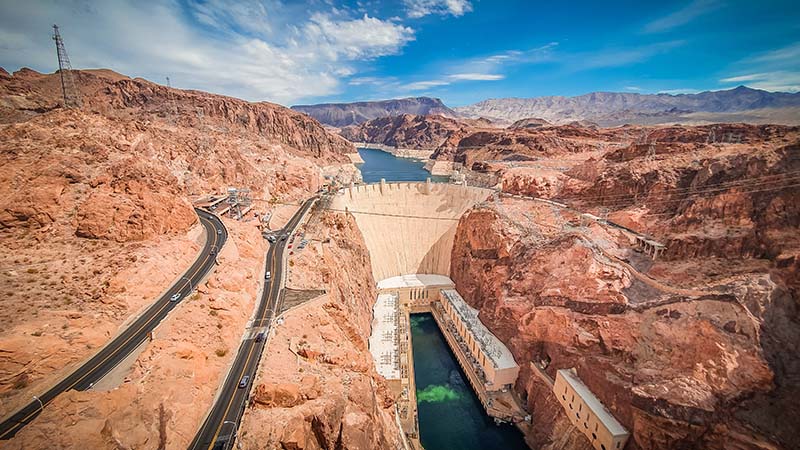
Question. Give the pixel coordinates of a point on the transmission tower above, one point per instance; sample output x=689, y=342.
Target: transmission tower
x=72, y=98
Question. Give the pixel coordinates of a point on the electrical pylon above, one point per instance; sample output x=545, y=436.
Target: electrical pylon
x=72, y=98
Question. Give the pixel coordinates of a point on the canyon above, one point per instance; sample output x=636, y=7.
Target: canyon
x=690, y=347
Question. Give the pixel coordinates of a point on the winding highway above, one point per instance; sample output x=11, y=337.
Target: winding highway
x=219, y=429
x=137, y=332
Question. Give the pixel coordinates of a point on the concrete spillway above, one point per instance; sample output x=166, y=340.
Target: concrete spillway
x=409, y=227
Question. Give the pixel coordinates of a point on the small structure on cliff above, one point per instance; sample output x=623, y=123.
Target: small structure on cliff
x=587, y=413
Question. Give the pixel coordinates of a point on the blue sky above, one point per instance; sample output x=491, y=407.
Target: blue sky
x=462, y=51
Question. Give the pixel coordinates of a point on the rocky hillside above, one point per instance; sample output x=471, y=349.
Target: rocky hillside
x=317, y=386
x=741, y=104
x=95, y=212
x=344, y=114
x=469, y=140
x=409, y=131
x=697, y=349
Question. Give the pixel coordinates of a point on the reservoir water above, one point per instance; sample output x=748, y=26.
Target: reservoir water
x=379, y=164
x=450, y=414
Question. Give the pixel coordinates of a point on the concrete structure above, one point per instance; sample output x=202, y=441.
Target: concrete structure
x=494, y=361
x=488, y=364
x=408, y=227
x=587, y=413
x=416, y=291
x=384, y=341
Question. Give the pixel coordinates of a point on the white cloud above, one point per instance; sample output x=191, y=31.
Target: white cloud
x=773, y=70
x=476, y=77
x=424, y=85
x=632, y=88
x=450, y=79
x=682, y=16
x=246, y=50
x=741, y=78
x=679, y=91
x=420, y=8
x=779, y=81
x=790, y=54
x=618, y=57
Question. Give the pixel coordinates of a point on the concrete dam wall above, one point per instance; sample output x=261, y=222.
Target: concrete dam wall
x=409, y=227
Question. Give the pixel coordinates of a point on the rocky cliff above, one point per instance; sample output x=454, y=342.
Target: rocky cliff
x=95, y=210
x=696, y=349
x=344, y=114
x=676, y=362
x=317, y=386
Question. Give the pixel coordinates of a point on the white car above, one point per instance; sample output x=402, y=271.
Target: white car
x=175, y=297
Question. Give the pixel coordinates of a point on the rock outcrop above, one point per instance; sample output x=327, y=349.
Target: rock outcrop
x=345, y=114
x=329, y=394
x=693, y=350
x=95, y=214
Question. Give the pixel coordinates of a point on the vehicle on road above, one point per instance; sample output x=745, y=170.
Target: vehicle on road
x=175, y=297
x=245, y=380
x=219, y=231
x=260, y=337
x=268, y=276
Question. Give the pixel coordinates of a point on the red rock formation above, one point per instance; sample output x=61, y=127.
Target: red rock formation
x=694, y=350
x=675, y=375
x=329, y=395
x=94, y=209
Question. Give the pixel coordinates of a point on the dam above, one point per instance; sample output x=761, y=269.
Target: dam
x=409, y=229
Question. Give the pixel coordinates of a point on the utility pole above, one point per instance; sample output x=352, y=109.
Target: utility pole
x=72, y=98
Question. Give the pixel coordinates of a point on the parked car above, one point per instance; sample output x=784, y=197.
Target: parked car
x=260, y=337
x=175, y=297
x=245, y=380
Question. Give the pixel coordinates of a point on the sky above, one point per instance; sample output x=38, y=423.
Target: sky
x=462, y=51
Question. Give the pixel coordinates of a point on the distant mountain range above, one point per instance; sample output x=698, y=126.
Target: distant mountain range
x=741, y=104
x=615, y=108
x=344, y=114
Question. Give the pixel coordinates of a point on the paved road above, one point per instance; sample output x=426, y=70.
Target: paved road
x=126, y=342
x=220, y=426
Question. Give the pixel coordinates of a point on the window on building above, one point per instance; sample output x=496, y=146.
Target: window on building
x=602, y=447
x=564, y=397
x=570, y=406
x=585, y=425
x=580, y=407
x=594, y=436
x=578, y=415
x=617, y=444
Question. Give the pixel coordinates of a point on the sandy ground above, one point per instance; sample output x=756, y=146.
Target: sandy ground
x=57, y=311
x=163, y=399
